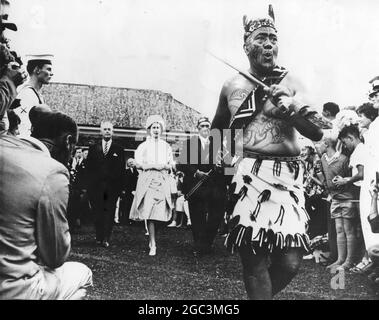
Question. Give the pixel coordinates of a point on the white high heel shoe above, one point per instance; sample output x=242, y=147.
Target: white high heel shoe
x=153, y=250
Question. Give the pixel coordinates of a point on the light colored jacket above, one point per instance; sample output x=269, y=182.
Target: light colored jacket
x=34, y=232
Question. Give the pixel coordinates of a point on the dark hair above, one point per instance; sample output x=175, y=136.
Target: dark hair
x=36, y=113
x=14, y=120
x=32, y=64
x=5, y=57
x=52, y=125
x=332, y=107
x=351, y=129
x=16, y=57
x=368, y=110
x=311, y=150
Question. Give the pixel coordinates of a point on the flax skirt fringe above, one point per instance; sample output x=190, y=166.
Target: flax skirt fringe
x=269, y=211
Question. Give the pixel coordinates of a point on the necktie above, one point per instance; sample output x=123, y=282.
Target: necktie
x=106, y=147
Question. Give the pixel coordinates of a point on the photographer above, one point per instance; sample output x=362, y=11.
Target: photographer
x=11, y=76
x=34, y=233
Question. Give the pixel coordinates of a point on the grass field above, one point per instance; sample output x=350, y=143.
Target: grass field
x=125, y=271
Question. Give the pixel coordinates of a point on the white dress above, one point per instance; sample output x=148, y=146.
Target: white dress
x=152, y=200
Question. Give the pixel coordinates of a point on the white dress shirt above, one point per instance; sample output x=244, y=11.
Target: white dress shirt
x=204, y=141
x=109, y=143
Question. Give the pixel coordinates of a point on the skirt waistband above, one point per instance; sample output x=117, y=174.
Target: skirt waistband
x=250, y=154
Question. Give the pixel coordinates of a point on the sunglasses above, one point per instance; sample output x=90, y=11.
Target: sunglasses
x=204, y=126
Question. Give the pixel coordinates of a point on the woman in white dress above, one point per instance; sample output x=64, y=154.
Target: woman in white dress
x=152, y=201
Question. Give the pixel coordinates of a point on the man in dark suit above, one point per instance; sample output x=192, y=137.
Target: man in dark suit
x=106, y=165
x=77, y=170
x=131, y=177
x=207, y=204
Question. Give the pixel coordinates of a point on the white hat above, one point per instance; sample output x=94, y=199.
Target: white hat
x=153, y=119
x=40, y=57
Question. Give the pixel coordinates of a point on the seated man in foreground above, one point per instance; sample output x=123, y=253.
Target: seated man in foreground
x=34, y=233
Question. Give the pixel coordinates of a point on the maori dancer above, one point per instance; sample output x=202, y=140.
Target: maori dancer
x=268, y=218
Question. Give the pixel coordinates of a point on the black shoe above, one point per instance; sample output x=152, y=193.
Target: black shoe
x=99, y=242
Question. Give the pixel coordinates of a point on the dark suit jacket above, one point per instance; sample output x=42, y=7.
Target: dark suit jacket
x=106, y=172
x=192, y=158
x=81, y=176
x=130, y=180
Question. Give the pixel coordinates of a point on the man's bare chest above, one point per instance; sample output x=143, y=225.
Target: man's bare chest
x=269, y=135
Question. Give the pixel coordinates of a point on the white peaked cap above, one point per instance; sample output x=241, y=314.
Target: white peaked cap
x=33, y=57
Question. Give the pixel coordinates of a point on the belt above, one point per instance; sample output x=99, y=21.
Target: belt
x=254, y=155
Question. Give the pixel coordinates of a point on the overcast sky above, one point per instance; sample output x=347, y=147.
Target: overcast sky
x=331, y=45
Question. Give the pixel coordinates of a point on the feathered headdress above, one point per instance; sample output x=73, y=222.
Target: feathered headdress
x=250, y=25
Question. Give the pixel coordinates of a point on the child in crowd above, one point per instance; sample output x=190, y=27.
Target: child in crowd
x=174, y=197
x=343, y=210
x=350, y=137
x=181, y=212
x=182, y=204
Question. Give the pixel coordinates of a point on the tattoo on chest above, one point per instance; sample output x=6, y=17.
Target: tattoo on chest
x=272, y=131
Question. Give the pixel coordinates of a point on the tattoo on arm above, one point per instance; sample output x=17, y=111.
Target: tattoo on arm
x=236, y=98
x=222, y=116
x=238, y=94
x=233, y=109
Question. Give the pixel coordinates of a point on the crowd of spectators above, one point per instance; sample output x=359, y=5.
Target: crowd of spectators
x=338, y=184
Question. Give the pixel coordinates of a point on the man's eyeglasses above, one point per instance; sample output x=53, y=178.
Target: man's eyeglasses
x=204, y=126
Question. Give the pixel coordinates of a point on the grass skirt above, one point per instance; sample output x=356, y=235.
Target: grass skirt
x=269, y=206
